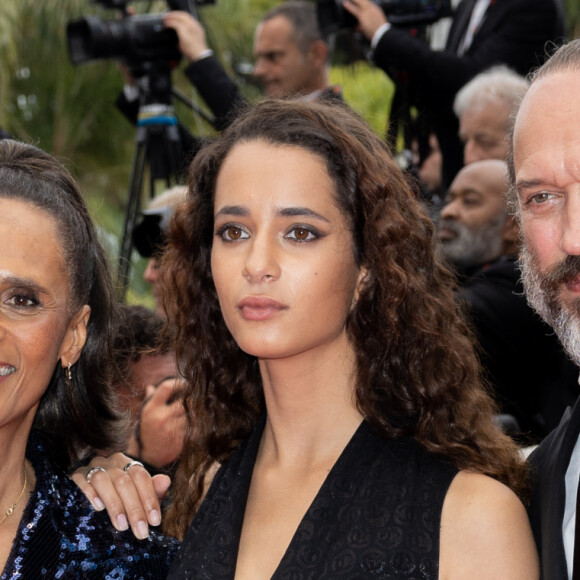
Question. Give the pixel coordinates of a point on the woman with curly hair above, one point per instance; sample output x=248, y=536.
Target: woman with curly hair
x=337, y=423
x=337, y=426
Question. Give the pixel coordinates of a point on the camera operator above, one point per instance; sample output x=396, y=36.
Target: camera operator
x=483, y=33
x=204, y=71
x=291, y=59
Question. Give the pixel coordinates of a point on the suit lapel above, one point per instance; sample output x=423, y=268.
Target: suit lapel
x=554, y=500
x=493, y=15
x=460, y=23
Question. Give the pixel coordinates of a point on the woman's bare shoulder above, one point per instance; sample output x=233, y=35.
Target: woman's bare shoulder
x=485, y=532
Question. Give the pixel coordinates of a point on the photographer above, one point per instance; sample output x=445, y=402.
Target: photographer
x=291, y=59
x=204, y=71
x=483, y=33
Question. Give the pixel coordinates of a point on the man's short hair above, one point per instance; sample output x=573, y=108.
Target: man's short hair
x=498, y=84
x=140, y=331
x=564, y=59
x=302, y=16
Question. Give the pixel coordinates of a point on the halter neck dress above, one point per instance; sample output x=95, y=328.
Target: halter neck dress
x=377, y=515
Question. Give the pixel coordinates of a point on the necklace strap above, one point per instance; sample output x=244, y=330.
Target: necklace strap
x=11, y=509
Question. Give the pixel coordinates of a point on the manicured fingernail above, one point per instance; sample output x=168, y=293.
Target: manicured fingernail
x=142, y=530
x=154, y=517
x=122, y=523
x=98, y=504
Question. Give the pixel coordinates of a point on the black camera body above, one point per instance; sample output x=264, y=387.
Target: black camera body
x=133, y=38
x=332, y=17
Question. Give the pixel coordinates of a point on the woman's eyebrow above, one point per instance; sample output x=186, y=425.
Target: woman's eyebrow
x=241, y=210
x=238, y=210
x=11, y=280
x=300, y=211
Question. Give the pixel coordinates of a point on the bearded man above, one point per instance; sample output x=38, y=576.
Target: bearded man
x=474, y=227
x=545, y=175
x=532, y=378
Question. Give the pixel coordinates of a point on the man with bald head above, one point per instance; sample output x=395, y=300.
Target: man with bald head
x=474, y=227
x=519, y=352
x=545, y=177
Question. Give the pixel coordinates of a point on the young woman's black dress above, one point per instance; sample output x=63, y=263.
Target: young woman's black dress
x=377, y=515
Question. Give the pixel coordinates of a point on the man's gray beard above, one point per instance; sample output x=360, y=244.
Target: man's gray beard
x=473, y=247
x=546, y=300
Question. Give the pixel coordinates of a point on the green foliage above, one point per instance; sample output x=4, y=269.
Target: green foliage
x=572, y=8
x=367, y=90
x=66, y=110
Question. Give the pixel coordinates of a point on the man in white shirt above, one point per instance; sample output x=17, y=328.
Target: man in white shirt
x=484, y=33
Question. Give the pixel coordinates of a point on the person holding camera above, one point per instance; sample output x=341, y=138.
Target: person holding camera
x=291, y=59
x=483, y=33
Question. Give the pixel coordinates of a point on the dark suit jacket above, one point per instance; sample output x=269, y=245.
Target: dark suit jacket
x=546, y=510
x=531, y=375
x=217, y=89
x=513, y=32
x=221, y=94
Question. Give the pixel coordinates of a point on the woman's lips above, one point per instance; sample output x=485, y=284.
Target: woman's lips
x=259, y=307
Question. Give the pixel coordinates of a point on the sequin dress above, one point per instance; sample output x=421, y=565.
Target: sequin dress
x=61, y=536
x=377, y=515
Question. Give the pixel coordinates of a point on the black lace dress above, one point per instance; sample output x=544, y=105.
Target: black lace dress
x=377, y=515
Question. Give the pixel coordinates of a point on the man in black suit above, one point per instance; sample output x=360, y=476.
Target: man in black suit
x=484, y=33
x=545, y=178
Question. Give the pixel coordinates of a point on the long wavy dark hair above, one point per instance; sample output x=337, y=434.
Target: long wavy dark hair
x=76, y=419
x=417, y=373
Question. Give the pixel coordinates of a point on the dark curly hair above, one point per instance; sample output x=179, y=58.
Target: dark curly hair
x=77, y=419
x=417, y=373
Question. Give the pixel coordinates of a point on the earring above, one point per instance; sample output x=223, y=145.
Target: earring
x=68, y=373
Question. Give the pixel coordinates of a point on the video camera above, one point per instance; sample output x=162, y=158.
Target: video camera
x=332, y=17
x=132, y=38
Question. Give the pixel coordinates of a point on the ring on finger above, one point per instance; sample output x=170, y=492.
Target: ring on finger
x=131, y=464
x=92, y=472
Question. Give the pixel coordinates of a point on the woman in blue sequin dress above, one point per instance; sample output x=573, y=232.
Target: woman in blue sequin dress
x=56, y=309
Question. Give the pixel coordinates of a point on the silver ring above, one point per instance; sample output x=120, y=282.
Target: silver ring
x=92, y=472
x=131, y=464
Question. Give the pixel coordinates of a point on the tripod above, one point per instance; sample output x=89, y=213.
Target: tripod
x=159, y=151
